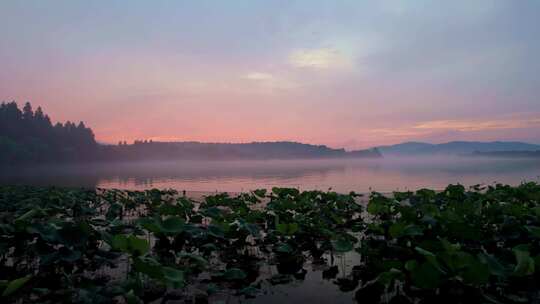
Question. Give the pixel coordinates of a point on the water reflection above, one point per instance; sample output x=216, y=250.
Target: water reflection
x=342, y=175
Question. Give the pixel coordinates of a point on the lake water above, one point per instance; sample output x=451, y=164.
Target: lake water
x=359, y=175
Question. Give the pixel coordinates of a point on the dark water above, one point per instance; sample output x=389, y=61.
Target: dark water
x=341, y=175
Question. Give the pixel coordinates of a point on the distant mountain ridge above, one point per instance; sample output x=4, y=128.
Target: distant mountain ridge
x=508, y=154
x=455, y=148
x=255, y=150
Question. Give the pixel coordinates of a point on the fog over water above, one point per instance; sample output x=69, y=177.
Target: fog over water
x=342, y=175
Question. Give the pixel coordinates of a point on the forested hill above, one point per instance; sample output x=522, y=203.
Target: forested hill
x=28, y=136
x=233, y=151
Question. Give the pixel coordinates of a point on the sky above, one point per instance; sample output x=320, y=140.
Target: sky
x=351, y=74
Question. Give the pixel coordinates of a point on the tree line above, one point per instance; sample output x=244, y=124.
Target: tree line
x=28, y=135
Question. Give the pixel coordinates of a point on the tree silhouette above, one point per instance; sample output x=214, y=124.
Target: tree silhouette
x=29, y=135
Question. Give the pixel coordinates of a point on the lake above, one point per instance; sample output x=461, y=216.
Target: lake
x=361, y=175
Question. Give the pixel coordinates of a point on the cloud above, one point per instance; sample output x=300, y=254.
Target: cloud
x=476, y=125
x=257, y=76
x=268, y=81
x=323, y=58
x=437, y=130
x=395, y=132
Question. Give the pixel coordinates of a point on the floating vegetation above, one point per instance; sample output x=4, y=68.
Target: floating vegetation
x=480, y=245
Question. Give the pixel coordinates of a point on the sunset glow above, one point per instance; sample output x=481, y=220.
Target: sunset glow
x=347, y=74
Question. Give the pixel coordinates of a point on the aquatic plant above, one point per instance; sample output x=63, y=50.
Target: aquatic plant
x=101, y=246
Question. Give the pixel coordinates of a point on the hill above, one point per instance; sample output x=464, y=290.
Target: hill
x=228, y=151
x=509, y=154
x=455, y=148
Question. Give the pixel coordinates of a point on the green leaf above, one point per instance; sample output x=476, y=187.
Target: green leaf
x=250, y=291
x=378, y=205
x=213, y=212
x=431, y=258
x=234, y=274
x=342, y=245
x=216, y=231
x=150, y=224
x=131, y=298
x=28, y=215
x=284, y=248
x=212, y=289
x=426, y=276
x=15, y=285
x=398, y=230
x=130, y=244
x=199, y=260
x=47, y=232
x=69, y=255
x=120, y=242
x=463, y=231
x=115, y=211
x=253, y=229
x=449, y=247
x=495, y=267
x=173, y=277
x=138, y=246
x=287, y=228
x=525, y=264
x=209, y=247
x=260, y=192
x=476, y=273
x=149, y=267
x=533, y=231
x=388, y=278
x=411, y=265
x=173, y=225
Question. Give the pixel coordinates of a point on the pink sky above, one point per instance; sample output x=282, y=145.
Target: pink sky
x=345, y=75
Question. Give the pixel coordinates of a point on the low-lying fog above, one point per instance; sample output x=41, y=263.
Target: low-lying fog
x=361, y=175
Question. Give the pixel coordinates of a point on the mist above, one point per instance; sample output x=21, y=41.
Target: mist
x=342, y=175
